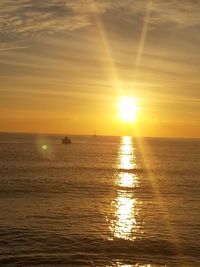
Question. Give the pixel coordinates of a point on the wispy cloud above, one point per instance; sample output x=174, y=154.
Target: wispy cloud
x=183, y=13
x=11, y=45
x=30, y=17
x=34, y=17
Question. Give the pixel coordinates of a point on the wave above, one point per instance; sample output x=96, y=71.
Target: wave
x=43, y=248
x=49, y=166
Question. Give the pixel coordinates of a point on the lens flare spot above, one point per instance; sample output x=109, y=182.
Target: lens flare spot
x=44, y=147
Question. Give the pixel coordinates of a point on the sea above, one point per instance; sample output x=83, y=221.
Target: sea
x=100, y=201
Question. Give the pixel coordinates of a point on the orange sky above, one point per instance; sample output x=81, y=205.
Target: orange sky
x=65, y=64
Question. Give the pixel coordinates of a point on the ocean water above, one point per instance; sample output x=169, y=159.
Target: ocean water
x=101, y=201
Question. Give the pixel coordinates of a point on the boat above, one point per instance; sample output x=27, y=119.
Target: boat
x=94, y=134
x=66, y=140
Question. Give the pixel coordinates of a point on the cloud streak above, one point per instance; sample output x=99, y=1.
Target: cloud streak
x=34, y=17
x=29, y=17
x=6, y=46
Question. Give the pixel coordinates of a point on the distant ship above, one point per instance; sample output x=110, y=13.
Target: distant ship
x=94, y=134
x=66, y=140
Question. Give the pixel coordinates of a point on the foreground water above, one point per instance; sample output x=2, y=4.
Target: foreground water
x=104, y=201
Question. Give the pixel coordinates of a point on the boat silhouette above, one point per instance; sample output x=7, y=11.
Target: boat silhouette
x=94, y=134
x=66, y=140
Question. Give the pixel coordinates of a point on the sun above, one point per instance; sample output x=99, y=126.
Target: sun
x=128, y=109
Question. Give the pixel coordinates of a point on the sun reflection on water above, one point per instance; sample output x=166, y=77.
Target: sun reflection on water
x=127, y=179
x=135, y=265
x=126, y=154
x=125, y=224
x=125, y=213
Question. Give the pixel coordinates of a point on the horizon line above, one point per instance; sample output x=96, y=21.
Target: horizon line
x=100, y=135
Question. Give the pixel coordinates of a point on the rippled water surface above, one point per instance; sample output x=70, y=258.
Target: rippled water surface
x=101, y=201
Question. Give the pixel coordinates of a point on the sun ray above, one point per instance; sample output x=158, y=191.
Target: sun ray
x=117, y=84
x=142, y=38
x=160, y=198
x=114, y=77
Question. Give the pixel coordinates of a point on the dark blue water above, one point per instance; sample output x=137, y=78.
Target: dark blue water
x=101, y=201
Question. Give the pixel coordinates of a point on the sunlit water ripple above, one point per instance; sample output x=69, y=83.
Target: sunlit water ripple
x=104, y=201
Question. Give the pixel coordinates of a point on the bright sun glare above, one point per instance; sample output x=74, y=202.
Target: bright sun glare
x=128, y=109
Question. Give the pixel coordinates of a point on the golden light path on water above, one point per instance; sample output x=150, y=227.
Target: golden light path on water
x=135, y=265
x=125, y=224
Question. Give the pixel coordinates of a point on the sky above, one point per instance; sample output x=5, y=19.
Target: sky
x=65, y=64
